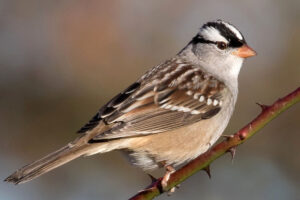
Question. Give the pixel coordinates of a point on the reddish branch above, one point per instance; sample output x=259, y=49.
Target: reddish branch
x=228, y=145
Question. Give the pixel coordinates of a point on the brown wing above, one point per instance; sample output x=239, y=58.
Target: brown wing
x=168, y=97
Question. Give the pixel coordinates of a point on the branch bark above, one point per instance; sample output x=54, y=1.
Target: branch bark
x=228, y=145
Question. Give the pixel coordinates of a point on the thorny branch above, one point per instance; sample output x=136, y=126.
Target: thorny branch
x=228, y=145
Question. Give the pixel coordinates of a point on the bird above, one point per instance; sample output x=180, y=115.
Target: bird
x=173, y=113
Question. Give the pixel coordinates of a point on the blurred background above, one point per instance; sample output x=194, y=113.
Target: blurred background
x=60, y=61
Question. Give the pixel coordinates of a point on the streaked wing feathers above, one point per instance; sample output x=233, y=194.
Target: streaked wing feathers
x=168, y=97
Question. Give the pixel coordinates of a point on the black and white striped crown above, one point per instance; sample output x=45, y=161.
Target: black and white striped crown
x=220, y=31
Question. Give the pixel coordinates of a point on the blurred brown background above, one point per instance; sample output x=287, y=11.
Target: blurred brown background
x=61, y=60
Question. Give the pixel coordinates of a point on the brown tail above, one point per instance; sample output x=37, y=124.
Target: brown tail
x=49, y=162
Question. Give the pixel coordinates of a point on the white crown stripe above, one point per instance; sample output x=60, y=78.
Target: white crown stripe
x=213, y=34
x=234, y=30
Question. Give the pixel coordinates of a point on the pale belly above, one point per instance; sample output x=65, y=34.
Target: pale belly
x=177, y=146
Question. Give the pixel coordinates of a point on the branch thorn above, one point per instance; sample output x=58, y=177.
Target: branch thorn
x=228, y=137
x=207, y=170
x=262, y=106
x=153, y=179
x=232, y=152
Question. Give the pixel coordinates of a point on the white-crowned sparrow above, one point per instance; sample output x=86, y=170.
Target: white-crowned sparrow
x=172, y=114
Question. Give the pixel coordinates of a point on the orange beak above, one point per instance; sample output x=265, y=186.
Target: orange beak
x=244, y=52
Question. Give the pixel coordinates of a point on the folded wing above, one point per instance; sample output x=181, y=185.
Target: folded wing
x=169, y=96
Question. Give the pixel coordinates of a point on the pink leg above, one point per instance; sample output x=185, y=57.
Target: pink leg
x=164, y=181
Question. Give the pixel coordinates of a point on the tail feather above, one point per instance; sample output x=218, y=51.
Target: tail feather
x=47, y=163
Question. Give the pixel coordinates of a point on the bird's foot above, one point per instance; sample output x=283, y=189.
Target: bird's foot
x=164, y=182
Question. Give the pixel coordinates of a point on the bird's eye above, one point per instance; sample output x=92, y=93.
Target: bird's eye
x=221, y=45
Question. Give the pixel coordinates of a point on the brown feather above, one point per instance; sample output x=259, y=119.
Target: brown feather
x=182, y=95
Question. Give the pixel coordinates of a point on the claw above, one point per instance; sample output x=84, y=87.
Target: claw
x=171, y=191
x=207, y=170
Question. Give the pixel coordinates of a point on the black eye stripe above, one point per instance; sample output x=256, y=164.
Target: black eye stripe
x=232, y=43
x=236, y=43
x=198, y=39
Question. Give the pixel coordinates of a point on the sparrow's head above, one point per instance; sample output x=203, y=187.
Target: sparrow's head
x=220, y=46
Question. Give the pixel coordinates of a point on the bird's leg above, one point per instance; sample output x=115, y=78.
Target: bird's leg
x=164, y=182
